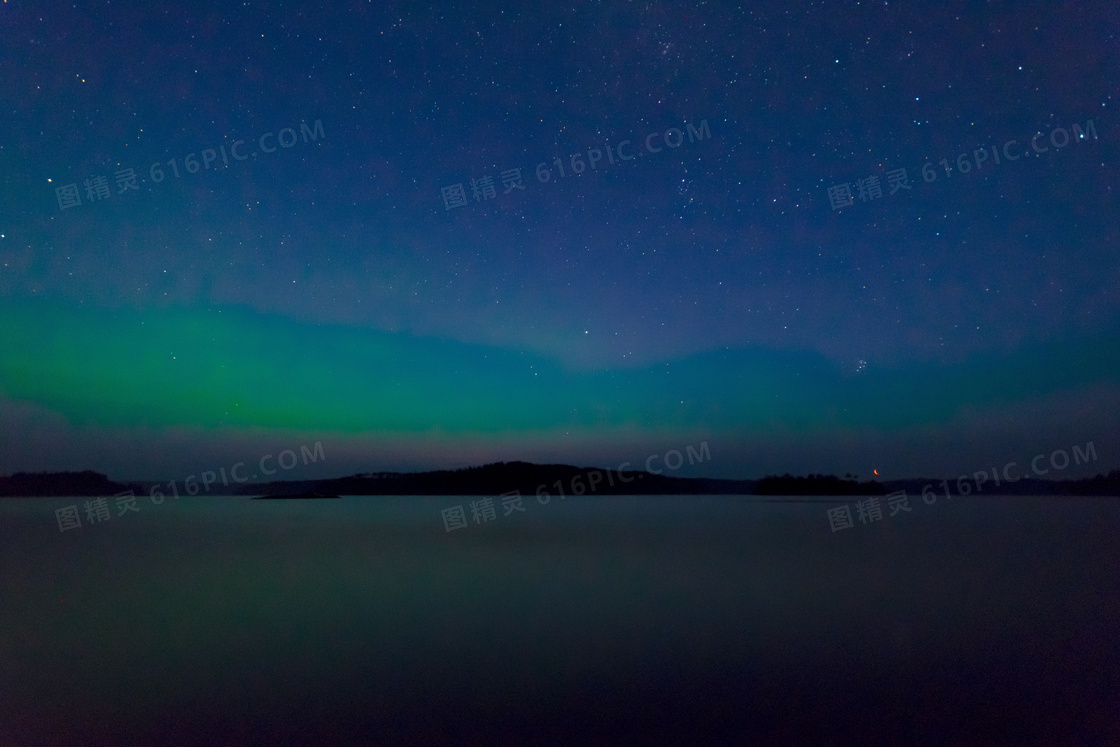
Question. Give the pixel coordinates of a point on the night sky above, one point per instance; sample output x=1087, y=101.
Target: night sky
x=330, y=282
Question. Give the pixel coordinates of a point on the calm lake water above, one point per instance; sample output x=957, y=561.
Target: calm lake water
x=592, y=620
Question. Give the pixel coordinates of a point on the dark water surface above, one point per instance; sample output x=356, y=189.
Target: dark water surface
x=604, y=620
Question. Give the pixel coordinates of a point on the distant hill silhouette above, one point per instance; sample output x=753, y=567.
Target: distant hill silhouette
x=816, y=485
x=87, y=483
x=506, y=477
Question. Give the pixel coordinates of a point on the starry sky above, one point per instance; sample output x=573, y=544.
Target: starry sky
x=821, y=236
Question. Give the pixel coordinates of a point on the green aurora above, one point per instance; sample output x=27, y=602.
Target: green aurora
x=231, y=367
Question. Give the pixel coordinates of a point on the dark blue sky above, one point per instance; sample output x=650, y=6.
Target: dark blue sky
x=711, y=290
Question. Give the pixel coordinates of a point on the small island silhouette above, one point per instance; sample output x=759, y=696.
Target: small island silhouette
x=528, y=478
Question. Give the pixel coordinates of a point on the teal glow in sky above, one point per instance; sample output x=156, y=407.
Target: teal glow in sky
x=231, y=369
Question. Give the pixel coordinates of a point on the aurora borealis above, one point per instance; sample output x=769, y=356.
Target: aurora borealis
x=323, y=291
